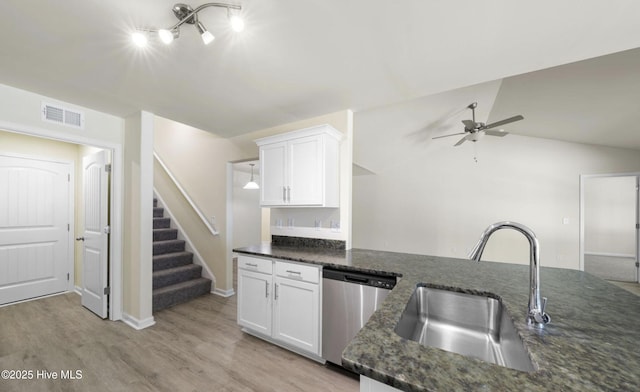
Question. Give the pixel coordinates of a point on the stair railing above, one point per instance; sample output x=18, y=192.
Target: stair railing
x=184, y=193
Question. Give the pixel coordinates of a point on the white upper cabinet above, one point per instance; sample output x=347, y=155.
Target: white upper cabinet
x=301, y=168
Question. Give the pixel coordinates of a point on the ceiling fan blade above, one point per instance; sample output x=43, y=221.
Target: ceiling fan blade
x=464, y=139
x=503, y=122
x=497, y=133
x=453, y=134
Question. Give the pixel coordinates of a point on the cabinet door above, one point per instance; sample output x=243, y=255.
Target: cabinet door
x=296, y=313
x=273, y=169
x=306, y=163
x=254, y=301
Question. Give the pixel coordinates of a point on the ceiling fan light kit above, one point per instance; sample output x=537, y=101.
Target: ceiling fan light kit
x=186, y=14
x=474, y=130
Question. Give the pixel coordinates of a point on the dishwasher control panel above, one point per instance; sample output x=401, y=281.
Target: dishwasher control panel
x=362, y=278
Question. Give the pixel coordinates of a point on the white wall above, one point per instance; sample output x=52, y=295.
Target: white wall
x=427, y=197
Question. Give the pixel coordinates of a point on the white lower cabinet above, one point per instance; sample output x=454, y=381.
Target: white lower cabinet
x=254, y=301
x=296, y=314
x=281, y=301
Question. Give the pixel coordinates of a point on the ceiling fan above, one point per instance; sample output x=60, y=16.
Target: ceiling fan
x=474, y=130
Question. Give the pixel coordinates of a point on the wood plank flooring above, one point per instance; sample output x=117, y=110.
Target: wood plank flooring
x=196, y=346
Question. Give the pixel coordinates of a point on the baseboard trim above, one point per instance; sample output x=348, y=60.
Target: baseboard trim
x=137, y=324
x=78, y=290
x=223, y=293
x=284, y=345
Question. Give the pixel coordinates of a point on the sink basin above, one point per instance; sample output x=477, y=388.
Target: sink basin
x=467, y=324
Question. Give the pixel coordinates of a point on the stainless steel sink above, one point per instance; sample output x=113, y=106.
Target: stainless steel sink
x=467, y=324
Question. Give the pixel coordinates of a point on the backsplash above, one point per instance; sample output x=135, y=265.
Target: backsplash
x=281, y=240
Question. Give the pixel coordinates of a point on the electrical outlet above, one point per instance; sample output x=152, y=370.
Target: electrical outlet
x=317, y=224
x=279, y=223
x=290, y=223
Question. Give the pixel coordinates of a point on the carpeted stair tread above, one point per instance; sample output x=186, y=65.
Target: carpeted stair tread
x=161, y=223
x=158, y=212
x=168, y=246
x=176, y=275
x=171, y=260
x=175, y=278
x=165, y=234
x=178, y=293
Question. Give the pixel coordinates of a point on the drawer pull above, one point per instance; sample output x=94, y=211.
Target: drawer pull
x=276, y=291
x=266, y=289
x=252, y=265
x=294, y=272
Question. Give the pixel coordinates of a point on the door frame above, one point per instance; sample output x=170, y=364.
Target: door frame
x=117, y=195
x=583, y=178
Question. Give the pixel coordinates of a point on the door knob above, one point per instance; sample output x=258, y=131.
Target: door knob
x=80, y=239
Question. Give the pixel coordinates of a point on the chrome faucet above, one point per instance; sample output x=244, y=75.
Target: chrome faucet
x=536, y=314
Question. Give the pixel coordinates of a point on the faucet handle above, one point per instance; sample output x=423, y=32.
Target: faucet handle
x=545, y=317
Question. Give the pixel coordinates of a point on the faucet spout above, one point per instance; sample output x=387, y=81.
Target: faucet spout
x=535, y=314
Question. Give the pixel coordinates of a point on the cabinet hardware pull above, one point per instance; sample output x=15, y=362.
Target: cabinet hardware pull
x=294, y=272
x=275, y=285
x=252, y=265
x=266, y=289
x=284, y=194
x=289, y=194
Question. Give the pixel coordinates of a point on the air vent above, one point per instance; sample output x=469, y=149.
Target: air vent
x=61, y=115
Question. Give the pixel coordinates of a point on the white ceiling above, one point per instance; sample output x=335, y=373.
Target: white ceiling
x=296, y=59
x=595, y=101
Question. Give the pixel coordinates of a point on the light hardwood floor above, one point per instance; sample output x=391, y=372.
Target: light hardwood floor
x=193, y=347
x=629, y=286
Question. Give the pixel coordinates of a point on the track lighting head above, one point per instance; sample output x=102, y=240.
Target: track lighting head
x=186, y=14
x=235, y=21
x=207, y=37
x=139, y=38
x=167, y=36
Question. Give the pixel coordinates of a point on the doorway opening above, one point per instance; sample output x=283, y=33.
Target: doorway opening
x=609, y=226
x=36, y=143
x=246, y=220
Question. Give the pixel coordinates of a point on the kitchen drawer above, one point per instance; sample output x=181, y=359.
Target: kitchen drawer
x=303, y=272
x=264, y=266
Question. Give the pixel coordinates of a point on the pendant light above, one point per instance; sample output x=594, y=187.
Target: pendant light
x=251, y=184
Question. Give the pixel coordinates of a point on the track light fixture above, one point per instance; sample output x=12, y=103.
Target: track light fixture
x=186, y=14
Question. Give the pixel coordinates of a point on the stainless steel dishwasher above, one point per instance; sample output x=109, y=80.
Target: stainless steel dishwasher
x=348, y=300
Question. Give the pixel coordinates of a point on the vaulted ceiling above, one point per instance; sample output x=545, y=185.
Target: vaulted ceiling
x=298, y=59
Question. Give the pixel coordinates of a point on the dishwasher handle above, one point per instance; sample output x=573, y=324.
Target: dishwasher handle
x=356, y=279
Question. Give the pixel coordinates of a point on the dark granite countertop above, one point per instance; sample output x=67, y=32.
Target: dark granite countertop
x=591, y=344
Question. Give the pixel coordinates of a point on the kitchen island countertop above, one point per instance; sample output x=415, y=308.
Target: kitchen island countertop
x=591, y=344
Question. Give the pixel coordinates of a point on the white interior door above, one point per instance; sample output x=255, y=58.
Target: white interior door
x=95, y=260
x=35, y=257
x=610, y=227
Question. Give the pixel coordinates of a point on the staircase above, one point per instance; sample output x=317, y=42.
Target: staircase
x=175, y=278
